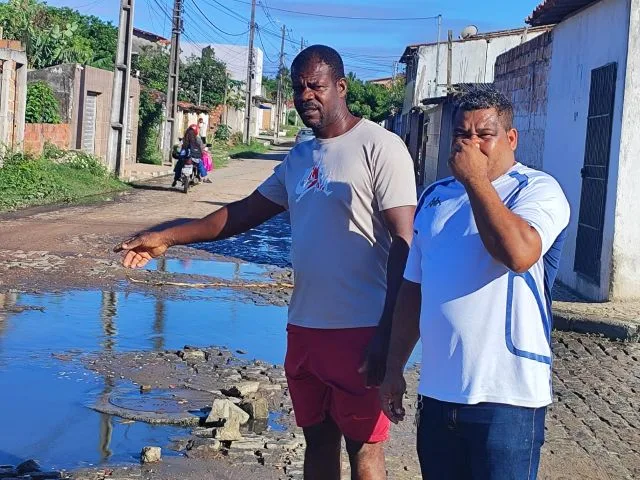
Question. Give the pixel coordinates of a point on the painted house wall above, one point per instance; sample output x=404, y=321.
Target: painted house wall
x=581, y=43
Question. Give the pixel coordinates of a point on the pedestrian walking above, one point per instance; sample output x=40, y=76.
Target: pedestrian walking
x=477, y=291
x=351, y=198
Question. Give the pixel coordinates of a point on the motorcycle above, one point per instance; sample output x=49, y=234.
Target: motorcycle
x=190, y=173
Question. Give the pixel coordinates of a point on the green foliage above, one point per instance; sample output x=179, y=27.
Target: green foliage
x=213, y=74
x=149, y=129
x=372, y=101
x=42, y=104
x=53, y=35
x=55, y=176
x=153, y=64
x=223, y=133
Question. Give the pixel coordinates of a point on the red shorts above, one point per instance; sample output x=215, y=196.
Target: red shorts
x=322, y=372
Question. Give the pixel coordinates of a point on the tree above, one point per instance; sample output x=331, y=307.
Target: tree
x=373, y=101
x=153, y=65
x=52, y=36
x=213, y=74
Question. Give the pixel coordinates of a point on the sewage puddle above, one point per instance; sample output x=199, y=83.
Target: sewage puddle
x=44, y=406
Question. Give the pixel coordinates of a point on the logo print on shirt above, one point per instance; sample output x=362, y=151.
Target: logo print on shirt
x=314, y=178
x=435, y=202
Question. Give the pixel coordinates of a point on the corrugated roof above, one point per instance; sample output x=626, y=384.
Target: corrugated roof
x=554, y=11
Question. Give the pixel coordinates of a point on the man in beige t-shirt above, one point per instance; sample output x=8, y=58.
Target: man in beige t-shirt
x=351, y=196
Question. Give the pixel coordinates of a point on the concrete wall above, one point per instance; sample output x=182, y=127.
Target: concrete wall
x=522, y=74
x=38, y=134
x=626, y=250
x=71, y=83
x=13, y=94
x=581, y=43
x=472, y=62
x=62, y=79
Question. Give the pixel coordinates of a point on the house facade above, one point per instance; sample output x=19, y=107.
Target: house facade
x=577, y=103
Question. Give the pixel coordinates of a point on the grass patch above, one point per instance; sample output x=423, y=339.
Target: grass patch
x=291, y=130
x=221, y=152
x=248, y=151
x=54, y=177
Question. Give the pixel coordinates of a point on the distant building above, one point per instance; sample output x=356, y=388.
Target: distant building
x=235, y=57
x=142, y=38
x=473, y=59
x=385, y=82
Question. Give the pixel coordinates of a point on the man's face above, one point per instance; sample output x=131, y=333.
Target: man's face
x=487, y=129
x=318, y=97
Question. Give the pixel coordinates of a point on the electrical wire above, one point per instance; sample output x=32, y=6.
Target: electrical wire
x=215, y=26
x=322, y=15
x=264, y=50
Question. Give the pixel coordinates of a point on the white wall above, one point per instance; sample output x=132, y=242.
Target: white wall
x=581, y=43
x=626, y=249
x=472, y=62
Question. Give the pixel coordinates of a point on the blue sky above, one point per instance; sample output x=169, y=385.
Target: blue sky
x=369, y=47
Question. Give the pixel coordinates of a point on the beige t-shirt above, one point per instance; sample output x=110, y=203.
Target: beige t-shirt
x=335, y=190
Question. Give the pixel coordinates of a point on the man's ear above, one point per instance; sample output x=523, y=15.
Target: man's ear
x=343, y=87
x=513, y=136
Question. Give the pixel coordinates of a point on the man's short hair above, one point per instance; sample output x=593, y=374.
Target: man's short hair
x=482, y=97
x=320, y=53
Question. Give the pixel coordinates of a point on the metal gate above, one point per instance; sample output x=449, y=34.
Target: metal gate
x=89, y=123
x=416, y=130
x=595, y=172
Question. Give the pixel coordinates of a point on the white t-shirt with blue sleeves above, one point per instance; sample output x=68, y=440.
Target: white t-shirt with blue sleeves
x=486, y=331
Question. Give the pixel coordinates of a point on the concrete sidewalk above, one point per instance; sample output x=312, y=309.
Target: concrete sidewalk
x=615, y=320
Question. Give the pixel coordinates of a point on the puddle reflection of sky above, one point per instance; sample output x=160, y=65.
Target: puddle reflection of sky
x=43, y=407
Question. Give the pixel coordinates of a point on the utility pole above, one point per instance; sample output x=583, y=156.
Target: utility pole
x=449, y=60
x=174, y=72
x=200, y=93
x=395, y=71
x=302, y=44
x=250, y=75
x=226, y=92
x=437, y=82
x=280, y=82
x=116, y=148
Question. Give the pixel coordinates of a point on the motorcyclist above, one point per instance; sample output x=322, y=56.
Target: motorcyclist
x=192, y=147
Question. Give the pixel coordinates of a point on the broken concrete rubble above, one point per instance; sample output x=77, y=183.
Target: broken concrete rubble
x=150, y=455
x=257, y=408
x=224, y=410
x=242, y=389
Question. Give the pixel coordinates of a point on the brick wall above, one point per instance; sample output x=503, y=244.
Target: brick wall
x=37, y=134
x=522, y=74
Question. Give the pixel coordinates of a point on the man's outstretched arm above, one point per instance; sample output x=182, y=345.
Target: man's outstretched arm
x=233, y=219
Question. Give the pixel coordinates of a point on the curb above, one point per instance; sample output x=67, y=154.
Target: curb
x=612, y=328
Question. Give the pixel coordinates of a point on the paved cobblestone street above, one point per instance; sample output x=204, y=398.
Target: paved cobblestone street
x=593, y=428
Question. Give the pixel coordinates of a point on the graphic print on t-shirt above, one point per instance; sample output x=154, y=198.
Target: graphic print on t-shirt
x=315, y=178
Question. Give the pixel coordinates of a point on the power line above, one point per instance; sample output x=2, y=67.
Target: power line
x=215, y=26
x=322, y=15
x=263, y=47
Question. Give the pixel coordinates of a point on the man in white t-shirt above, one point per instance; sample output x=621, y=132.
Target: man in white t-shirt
x=351, y=197
x=477, y=291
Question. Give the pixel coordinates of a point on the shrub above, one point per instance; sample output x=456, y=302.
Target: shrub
x=223, y=133
x=42, y=104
